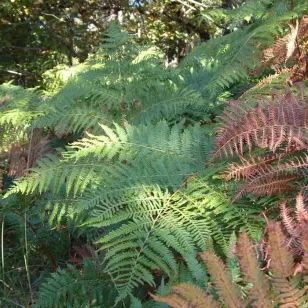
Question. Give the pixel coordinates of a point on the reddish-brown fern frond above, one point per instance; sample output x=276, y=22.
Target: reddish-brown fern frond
x=228, y=291
x=288, y=221
x=276, y=55
x=187, y=296
x=269, y=182
x=260, y=292
x=294, y=221
x=301, y=209
x=287, y=47
x=250, y=167
x=264, y=179
x=286, y=289
x=268, y=125
x=20, y=158
x=278, y=126
x=292, y=227
x=282, y=266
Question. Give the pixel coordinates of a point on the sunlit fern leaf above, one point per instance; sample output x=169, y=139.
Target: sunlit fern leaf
x=148, y=240
x=162, y=147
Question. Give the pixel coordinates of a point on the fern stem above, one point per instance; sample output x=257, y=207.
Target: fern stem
x=2, y=254
x=26, y=255
x=12, y=302
x=28, y=277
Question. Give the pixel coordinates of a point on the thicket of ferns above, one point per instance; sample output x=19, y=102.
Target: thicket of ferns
x=282, y=285
x=133, y=179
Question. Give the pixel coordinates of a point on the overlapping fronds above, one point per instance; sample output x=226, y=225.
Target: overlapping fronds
x=133, y=149
x=129, y=177
x=139, y=184
x=136, y=183
x=248, y=49
x=268, y=125
x=260, y=293
x=295, y=221
x=285, y=290
x=122, y=83
x=276, y=127
x=20, y=146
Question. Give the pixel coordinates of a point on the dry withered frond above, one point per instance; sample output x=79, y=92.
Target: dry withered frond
x=21, y=158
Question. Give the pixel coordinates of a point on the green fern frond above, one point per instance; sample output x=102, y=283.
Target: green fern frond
x=163, y=147
x=72, y=288
x=147, y=242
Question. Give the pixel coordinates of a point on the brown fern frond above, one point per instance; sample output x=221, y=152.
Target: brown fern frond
x=228, y=291
x=288, y=221
x=267, y=183
x=285, y=290
x=268, y=180
x=272, y=174
x=304, y=238
x=21, y=158
x=292, y=227
x=282, y=49
x=187, y=296
x=294, y=222
x=260, y=292
x=282, y=267
x=268, y=125
x=301, y=209
x=286, y=48
x=173, y=300
x=249, y=167
x=276, y=54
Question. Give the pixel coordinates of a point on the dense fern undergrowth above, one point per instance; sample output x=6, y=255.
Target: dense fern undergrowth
x=116, y=178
